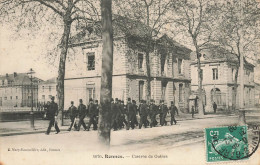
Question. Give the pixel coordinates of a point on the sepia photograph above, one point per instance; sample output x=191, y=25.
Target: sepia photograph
x=131, y=82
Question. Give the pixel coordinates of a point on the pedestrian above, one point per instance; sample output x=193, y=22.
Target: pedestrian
x=131, y=114
x=82, y=113
x=92, y=115
x=153, y=113
x=123, y=121
x=192, y=111
x=115, y=114
x=136, y=111
x=215, y=107
x=52, y=113
x=173, y=110
x=163, y=113
x=73, y=112
x=143, y=114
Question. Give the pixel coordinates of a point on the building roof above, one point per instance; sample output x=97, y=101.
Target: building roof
x=215, y=53
x=19, y=78
x=50, y=81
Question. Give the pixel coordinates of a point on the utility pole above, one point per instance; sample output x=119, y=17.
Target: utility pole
x=31, y=72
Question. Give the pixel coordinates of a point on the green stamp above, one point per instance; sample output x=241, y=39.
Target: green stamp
x=226, y=143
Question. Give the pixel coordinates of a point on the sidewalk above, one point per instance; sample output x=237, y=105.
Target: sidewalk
x=23, y=127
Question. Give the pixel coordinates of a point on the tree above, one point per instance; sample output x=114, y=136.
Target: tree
x=237, y=32
x=153, y=14
x=106, y=75
x=65, y=14
x=195, y=19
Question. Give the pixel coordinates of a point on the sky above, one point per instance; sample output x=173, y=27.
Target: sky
x=21, y=54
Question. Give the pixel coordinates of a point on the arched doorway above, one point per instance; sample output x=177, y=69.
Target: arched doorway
x=216, y=96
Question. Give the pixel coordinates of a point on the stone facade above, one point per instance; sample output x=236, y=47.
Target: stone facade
x=170, y=77
x=15, y=90
x=218, y=81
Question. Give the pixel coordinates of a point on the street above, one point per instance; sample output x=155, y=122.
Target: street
x=140, y=146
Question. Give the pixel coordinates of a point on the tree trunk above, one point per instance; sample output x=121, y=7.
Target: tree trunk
x=147, y=60
x=107, y=70
x=201, y=109
x=61, y=72
x=235, y=90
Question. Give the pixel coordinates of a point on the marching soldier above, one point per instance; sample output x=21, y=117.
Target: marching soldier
x=143, y=114
x=123, y=113
x=153, y=113
x=173, y=110
x=136, y=110
x=73, y=114
x=131, y=114
x=147, y=112
x=82, y=113
x=92, y=115
x=163, y=113
x=115, y=114
x=52, y=113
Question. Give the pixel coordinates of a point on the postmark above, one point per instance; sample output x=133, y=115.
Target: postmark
x=231, y=142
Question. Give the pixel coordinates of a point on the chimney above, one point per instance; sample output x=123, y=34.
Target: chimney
x=15, y=74
x=6, y=75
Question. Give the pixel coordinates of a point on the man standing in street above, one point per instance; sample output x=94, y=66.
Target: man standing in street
x=174, y=110
x=96, y=111
x=52, y=113
x=131, y=114
x=163, y=113
x=82, y=113
x=73, y=114
x=143, y=114
x=92, y=115
x=153, y=113
x=115, y=114
x=215, y=107
x=192, y=111
x=135, y=109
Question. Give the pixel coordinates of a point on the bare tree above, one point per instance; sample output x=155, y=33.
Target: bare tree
x=238, y=32
x=106, y=75
x=64, y=14
x=194, y=19
x=153, y=14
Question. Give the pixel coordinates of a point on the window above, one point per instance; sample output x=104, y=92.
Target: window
x=180, y=92
x=50, y=96
x=49, y=88
x=140, y=60
x=215, y=73
x=16, y=97
x=91, y=61
x=91, y=93
x=43, y=97
x=42, y=88
x=5, y=98
x=11, y=97
x=141, y=90
x=180, y=66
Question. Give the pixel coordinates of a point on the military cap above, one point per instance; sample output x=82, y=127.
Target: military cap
x=116, y=99
x=133, y=101
x=72, y=102
x=90, y=99
x=80, y=100
x=52, y=98
x=129, y=99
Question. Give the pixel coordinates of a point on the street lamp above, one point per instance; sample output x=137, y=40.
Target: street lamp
x=31, y=72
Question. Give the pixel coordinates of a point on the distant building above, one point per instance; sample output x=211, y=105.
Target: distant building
x=47, y=89
x=15, y=90
x=169, y=66
x=218, y=74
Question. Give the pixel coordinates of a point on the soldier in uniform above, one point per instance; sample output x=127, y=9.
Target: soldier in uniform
x=96, y=110
x=136, y=110
x=115, y=114
x=73, y=114
x=131, y=114
x=173, y=110
x=123, y=113
x=153, y=113
x=52, y=113
x=92, y=115
x=147, y=112
x=143, y=114
x=82, y=113
x=163, y=113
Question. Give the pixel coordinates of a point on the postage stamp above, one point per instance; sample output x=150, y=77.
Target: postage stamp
x=231, y=143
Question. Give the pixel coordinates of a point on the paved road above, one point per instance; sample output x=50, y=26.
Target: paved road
x=181, y=144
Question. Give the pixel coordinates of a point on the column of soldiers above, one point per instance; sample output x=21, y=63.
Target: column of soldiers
x=123, y=115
